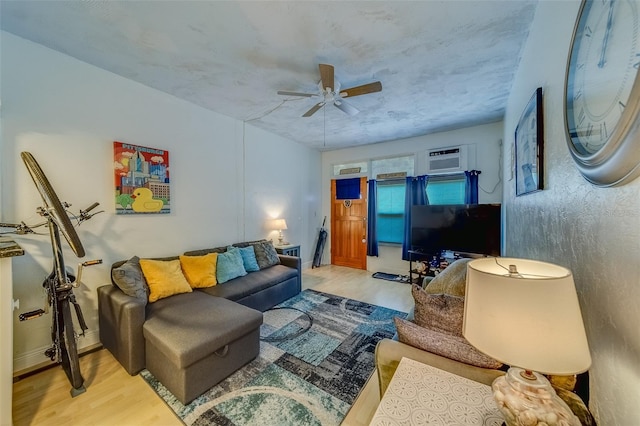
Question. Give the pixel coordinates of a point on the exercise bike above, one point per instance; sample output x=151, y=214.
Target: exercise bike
x=59, y=284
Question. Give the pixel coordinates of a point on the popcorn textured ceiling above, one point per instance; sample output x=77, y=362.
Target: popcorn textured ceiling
x=443, y=64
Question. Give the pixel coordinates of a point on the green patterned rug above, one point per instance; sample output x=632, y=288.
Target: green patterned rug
x=300, y=377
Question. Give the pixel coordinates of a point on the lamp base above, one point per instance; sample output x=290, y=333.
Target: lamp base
x=526, y=398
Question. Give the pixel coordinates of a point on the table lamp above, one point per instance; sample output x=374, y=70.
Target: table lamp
x=525, y=314
x=279, y=225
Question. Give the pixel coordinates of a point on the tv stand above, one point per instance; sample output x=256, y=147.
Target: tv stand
x=418, y=256
x=431, y=270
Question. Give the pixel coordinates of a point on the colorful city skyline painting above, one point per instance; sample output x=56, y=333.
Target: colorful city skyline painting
x=141, y=179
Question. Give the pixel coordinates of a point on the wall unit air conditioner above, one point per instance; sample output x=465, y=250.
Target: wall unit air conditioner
x=447, y=160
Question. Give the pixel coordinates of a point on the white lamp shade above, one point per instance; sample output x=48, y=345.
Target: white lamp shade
x=279, y=224
x=532, y=320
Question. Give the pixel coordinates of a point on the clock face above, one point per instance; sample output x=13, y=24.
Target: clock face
x=603, y=66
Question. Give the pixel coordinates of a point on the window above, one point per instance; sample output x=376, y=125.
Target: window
x=390, y=211
x=448, y=189
x=392, y=165
x=390, y=203
x=350, y=168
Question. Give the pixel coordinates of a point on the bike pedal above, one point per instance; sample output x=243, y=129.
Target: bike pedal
x=31, y=315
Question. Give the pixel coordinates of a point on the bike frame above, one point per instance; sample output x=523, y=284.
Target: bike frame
x=60, y=293
x=58, y=285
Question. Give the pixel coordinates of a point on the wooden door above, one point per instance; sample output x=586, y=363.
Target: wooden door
x=349, y=229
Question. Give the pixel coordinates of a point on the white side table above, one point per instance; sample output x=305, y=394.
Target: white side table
x=419, y=394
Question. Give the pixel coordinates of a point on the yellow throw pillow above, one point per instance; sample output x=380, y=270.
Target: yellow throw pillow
x=200, y=271
x=164, y=278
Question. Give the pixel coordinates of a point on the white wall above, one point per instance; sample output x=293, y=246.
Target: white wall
x=293, y=169
x=485, y=148
x=227, y=178
x=593, y=231
x=6, y=307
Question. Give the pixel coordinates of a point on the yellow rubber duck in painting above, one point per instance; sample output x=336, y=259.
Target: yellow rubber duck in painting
x=144, y=202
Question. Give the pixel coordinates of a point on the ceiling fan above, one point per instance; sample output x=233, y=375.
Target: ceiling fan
x=330, y=92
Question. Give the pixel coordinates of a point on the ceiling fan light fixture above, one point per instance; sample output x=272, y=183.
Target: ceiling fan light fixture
x=329, y=93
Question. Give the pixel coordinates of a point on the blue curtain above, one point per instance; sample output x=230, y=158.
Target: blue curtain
x=372, y=225
x=471, y=187
x=348, y=189
x=415, y=195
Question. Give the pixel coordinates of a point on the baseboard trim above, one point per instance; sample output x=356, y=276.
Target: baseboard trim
x=34, y=361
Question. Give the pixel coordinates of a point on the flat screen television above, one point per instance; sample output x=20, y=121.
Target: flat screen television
x=464, y=228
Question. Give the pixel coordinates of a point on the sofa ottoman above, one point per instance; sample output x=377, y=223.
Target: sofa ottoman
x=194, y=342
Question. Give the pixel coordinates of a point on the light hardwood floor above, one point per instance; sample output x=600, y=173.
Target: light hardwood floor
x=114, y=397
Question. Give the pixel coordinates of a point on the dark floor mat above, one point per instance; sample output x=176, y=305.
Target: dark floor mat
x=391, y=277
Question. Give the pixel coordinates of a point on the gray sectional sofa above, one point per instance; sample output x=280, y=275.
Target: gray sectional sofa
x=213, y=330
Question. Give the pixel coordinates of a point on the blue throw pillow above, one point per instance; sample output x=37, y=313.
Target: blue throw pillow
x=229, y=265
x=248, y=258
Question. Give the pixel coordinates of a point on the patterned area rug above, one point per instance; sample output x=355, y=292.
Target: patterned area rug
x=299, y=378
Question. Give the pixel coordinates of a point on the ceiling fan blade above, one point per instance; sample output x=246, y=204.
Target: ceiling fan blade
x=313, y=110
x=361, y=90
x=326, y=76
x=287, y=93
x=349, y=109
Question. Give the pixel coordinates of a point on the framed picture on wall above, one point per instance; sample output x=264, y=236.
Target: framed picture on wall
x=529, y=147
x=141, y=179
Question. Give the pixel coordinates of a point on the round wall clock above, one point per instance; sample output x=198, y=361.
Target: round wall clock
x=602, y=92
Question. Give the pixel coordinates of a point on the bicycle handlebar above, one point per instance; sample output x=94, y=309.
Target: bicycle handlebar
x=9, y=225
x=91, y=207
x=22, y=228
x=84, y=214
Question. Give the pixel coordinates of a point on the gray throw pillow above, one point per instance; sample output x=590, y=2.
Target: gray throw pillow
x=440, y=312
x=128, y=277
x=443, y=344
x=266, y=254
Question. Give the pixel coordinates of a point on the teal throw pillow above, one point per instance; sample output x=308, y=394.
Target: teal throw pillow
x=249, y=260
x=229, y=266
